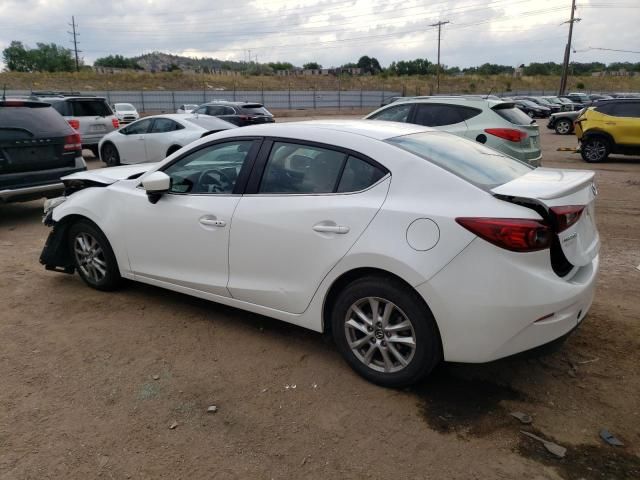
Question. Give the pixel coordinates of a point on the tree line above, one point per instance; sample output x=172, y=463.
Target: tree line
x=49, y=57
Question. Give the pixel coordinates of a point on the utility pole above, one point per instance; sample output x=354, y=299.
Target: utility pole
x=567, y=50
x=439, y=25
x=75, y=41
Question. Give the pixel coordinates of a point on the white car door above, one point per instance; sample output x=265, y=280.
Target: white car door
x=131, y=144
x=302, y=219
x=164, y=133
x=183, y=239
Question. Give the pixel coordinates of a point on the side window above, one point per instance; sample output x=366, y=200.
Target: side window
x=63, y=108
x=162, y=125
x=359, y=175
x=399, y=113
x=295, y=168
x=227, y=111
x=466, y=113
x=607, y=108
x=201, y=110
x=631, y=109
x=215, y=110
x=213, y=169
x=433, y=115
x=138, y=128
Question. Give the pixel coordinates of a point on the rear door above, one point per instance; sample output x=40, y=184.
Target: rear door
x=131, y=144
x=569, y=198
x=448, y=118
x=298, y=219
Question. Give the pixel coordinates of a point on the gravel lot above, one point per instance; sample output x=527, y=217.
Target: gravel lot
x=91, y=381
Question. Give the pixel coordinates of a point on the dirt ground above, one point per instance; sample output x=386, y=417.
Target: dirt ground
x=91, y=382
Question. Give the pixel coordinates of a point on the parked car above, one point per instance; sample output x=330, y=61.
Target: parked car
x=542, y=102
x=610, y=126
x=187, y=108
x=565, y=106
x=154, y=138
x=578, y=97
x=562, y=122
x=90, y=116
x=499, y=125
x=572, y=106
x=410, y=245
x=533, y=110
x=594, y=97
x=37, y=147
x=125, y=112
x=238, y=113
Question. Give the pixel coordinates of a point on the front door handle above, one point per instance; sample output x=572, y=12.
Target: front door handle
x=341, y=229
x=212, y=222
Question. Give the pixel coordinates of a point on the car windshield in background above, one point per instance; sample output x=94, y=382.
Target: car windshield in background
x=512, y=114
x=475, y=163
x=90, y=108
x=124, y=107
x=209, y=123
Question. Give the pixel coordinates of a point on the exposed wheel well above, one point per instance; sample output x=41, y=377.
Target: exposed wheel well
x=172, y=149
x=102, y=148
x=346, y=278
x=65, y=223
x=598, y=134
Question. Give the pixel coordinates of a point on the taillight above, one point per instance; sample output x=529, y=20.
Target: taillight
x=244, y=117
x=515, y=234
x=72, y=143
x=115, y=122
x=75, y=124
x=511, y=134
x=566, y=216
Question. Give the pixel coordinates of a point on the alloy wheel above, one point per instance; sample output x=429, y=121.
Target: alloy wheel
x=380, y=334
x=90, y=257
x=595, y=150
x=563, y=127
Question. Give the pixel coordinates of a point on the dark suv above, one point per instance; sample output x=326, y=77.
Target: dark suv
x=37, y=147
x=238, y=113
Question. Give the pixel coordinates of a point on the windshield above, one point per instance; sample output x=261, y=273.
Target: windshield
x=482, y=166
x=512, y=114
x=124, y=107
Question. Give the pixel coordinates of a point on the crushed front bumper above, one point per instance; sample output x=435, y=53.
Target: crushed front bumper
x=56, y=254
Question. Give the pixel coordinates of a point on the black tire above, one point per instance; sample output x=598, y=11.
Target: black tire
x=563, y=126
x=595, y=149
x=110, y=279
x=110, y=155
x=408, y=305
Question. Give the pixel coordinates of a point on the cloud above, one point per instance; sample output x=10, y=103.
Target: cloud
x=331, y=32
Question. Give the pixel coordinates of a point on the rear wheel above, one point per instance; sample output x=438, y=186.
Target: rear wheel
x=385, y=332
x=595, y=149
x=563, y=127
x=93, y=257
x=110, y=155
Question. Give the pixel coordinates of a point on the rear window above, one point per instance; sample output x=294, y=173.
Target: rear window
x=512, y=114
x=256, y=110
x=471, y=161
x=90, y=108
x=18, y=122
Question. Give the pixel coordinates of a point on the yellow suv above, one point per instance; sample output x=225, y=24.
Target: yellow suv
x=610, y=126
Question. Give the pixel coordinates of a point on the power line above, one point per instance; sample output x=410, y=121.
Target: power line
x=75, y=41
x=439, y=25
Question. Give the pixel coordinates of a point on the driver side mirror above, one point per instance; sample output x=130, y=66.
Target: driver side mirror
x=155, y=185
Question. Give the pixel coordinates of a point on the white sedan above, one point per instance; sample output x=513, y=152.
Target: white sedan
x=152, y=139
x=410, y=245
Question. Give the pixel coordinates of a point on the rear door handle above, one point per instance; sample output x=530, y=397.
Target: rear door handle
x=341, y=229
x=212, y=222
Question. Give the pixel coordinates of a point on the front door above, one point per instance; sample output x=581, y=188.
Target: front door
x=131, y=147
x=310, y=207
x=183, y=239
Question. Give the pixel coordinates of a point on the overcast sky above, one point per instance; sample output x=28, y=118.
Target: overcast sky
x=331, y=32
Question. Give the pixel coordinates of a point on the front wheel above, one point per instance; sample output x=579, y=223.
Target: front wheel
x=110, y=155
x=386, y=332
x=595, y=149
x=563, y=127
x=93, y=257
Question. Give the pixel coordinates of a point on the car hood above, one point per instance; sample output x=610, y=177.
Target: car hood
x=571, y=114
x=107, y=176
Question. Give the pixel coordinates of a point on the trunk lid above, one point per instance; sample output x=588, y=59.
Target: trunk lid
x=550, y=191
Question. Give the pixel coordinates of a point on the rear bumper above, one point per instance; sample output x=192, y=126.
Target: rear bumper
x=490, y=303
x=34, y=185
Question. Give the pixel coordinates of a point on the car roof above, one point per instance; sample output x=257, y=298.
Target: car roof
x=453, y=99
x=375, y=129
x=229, y=102
x=56, y=98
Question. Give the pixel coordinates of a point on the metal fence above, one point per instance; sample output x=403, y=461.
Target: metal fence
x=168, y=101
